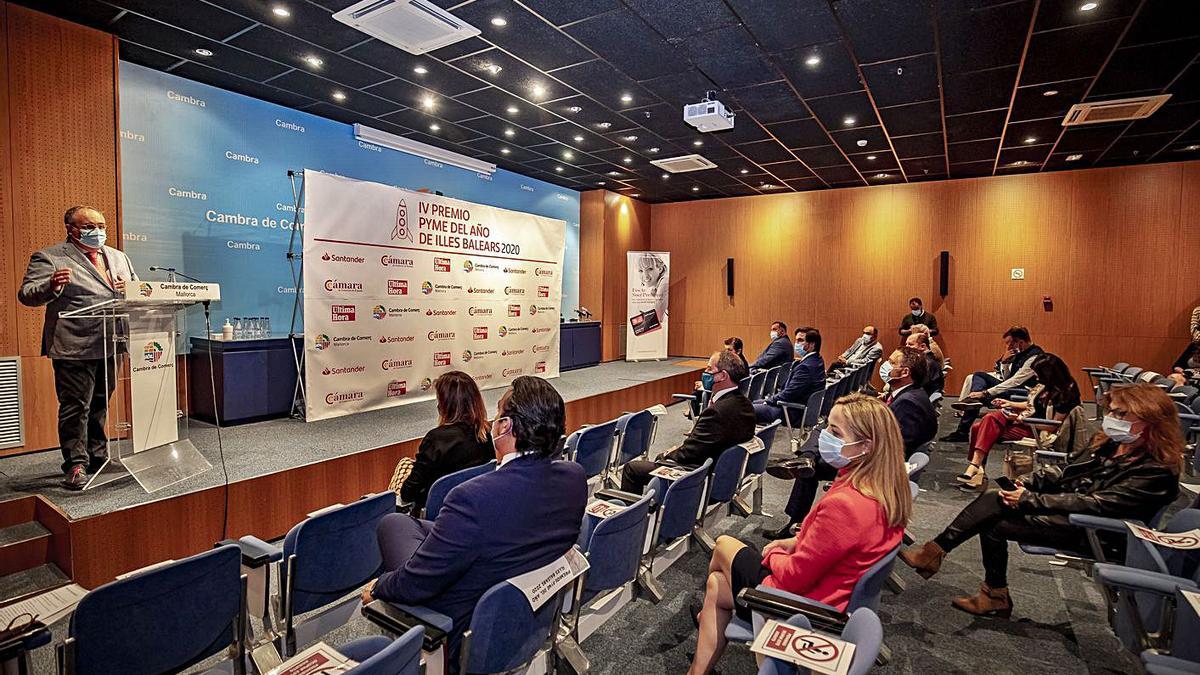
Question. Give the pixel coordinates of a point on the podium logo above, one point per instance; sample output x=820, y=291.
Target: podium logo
x=541, y=349
x=426, y=287
x=511, y=372
x=402, y=230
x=479, y=311
x=441, y=312
x=340, y=313
x=441, y=358
x=466, y=356
x=397, y=286
x=543, y=272
x=513, y=290
x=439, y=336
x=395, y=364
x=321, y=342
x=426, y=383
x=479, y=333
x=145, y=290
x=393, y=261
x=336, y=397
x=397, y=388
x=152, y=352
x=334, y=257
x=343, y=286
x=514, y=310
x=394, y=339
x=539, y=367
x=343, y=370
x=543, y=291
x=468, y=266
x=441, y=264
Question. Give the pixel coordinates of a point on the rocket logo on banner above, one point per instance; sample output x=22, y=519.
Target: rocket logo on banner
x=648, y=290
x=466, y=266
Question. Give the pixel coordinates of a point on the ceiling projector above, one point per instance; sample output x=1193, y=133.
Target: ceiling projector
x=708, y=115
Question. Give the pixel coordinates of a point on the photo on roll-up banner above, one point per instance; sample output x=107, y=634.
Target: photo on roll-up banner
x=408, y=285
x=648, y=290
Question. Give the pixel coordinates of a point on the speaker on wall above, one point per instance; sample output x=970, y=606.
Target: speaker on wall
x=944, y=278
x=729, y=277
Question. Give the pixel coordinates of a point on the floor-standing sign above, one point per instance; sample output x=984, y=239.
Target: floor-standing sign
x=648, y=283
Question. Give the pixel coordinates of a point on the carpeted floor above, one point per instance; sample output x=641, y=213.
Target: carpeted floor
x=1058, y=625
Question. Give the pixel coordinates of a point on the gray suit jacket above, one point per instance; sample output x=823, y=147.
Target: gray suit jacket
x=74, y=339
x=859, y=353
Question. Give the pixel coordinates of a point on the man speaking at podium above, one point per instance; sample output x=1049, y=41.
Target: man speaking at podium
x=74, y=274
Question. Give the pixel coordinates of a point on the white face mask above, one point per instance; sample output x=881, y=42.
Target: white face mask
x=1119, y=430
x=774, y=334
x=918, y=312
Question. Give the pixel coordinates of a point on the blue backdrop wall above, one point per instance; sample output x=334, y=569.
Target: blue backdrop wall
x=204, y=189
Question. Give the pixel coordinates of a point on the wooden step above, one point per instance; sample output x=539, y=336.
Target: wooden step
x=31, y=581
x=23, y=546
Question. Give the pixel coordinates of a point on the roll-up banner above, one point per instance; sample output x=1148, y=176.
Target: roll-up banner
x=646, y=326
x=401, y=286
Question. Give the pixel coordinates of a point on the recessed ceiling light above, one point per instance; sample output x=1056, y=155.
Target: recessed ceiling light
x=1019, y=162
x=626, y=98
x=1088, y=6
x=512, y=110
x=1030, y=140
x=871, y=157
x=666, y=175
x=538, y=91
x=1074, y=158
x=427, y=102
x=654, y=149
x=631, y=138
x=578, y=139
x=420, y=70
x=862, y=142
x=558, y=169
x=604, y=125
x=337, y=95
x=505, y=151
x=602, y=182
x=567, y=154
x=695, y=188
x=849, y=121
x=1191, y=147
x=635, y=194
x=313, y=61
x=574, y=109
x=614, y=173
x=499, y=21
x=812, y=61
x=744, y=171
x=434, y=127
x=204, y=52
x=280, y=10
x=1050, y=92
x=509, y=133
x=697, y=143
x=627, y=160
x=881, y=175
x=493, y=68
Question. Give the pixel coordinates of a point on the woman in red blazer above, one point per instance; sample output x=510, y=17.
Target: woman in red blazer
x=856, y=523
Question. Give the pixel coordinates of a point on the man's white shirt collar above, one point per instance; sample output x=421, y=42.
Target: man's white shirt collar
x=511, y=456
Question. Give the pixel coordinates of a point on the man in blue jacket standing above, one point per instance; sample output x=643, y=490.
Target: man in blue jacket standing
x=807, y=377
x=522, y=516
x=778, y=352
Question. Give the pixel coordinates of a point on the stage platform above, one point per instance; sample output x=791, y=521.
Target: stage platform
x=278, y=471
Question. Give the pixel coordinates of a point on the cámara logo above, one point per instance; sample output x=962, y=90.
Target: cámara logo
x=152, y=352
x=145, y=289
x=541, y=349
x=401, y=230
x=426, y=287
x=441, y=358
x=335, y=397
x=513, y=290
x=343, y=286
x=395, y=364
x=514, y=310
x=340, y=313
x=543, y=272
x=439, y=336
x=393, y=261
x=479, y=311
x=321, y=342
x=378, y=312
x=397, y=286
x=441, y=264
x=511, y=372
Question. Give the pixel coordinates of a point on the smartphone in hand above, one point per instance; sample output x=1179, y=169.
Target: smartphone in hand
x=1006, y=483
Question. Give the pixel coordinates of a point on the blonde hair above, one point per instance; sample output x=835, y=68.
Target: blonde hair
x=881, y=474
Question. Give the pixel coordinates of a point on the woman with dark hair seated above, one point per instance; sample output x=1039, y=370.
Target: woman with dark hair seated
x=459, y=441
x=860, y=520
x=1054, y=397
x=1132, y=474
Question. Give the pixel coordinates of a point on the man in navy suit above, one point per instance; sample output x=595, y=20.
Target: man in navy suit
x=522, y=516
x=909, y=401
x=806, y=378
x=778, y=351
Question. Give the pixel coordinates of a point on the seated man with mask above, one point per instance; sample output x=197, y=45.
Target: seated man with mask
x=778, y=352
x=806, y=377
x=727, y=421
x=864, y=350
x=524, y=515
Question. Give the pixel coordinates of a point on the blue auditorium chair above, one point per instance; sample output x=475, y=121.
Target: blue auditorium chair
x=442, y=486
x=634, y=432
x=756, y=466
x=676, y=517
x=916, y=464
x=591, y=447
x=808, y=417
x=1184, y=657
x=161, y=620
x=722, y=485
x=863, y=630
x=771, y=382
x=378, y=655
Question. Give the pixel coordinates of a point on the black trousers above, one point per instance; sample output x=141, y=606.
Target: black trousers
x=997, y=524
x=636, y=475
x=804, y=492
x=83, y=388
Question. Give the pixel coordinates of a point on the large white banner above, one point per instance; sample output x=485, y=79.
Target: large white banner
x=401, y=286
x=646, y=327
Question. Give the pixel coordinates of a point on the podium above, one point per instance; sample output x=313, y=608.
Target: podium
x=141, y=334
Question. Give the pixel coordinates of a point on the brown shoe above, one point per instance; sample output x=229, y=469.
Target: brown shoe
x=992, y=602
x=926, y=560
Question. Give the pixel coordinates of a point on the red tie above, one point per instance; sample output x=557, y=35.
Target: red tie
x=95, y=258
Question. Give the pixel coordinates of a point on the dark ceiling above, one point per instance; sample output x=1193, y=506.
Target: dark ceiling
x=937, y=88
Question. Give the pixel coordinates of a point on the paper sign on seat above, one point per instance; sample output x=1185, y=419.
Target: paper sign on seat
x=816, y=651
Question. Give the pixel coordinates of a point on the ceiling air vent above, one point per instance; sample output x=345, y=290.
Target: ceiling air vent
x=1120, y=110
x=683, y=163
x=416, y=26
x=12, y=427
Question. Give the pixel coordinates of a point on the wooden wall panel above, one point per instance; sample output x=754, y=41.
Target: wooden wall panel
x=591, y=252
x=58, y=92
x=1114, y=249
x=609, y=225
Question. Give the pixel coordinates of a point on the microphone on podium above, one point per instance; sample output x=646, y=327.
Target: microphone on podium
x=172, y=273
